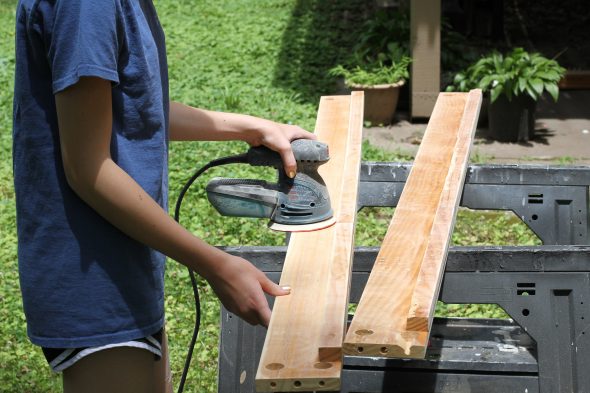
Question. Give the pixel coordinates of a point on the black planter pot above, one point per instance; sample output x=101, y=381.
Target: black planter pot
x=512, y=121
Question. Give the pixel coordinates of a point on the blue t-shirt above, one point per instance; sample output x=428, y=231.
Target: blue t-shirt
x=84, y=282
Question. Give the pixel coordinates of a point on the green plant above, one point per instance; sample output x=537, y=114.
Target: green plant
x=390, y=67
x=566, y=160
x=375, y=37
x=375, y=58
x=457, y=52
x=512, y=74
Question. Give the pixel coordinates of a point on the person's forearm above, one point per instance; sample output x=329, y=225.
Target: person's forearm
x=120, y=200
x=85, y=130
x=194, y=124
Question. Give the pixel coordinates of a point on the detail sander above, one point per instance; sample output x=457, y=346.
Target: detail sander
x=296, y=204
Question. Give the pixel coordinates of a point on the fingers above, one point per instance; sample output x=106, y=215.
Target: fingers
x=288, y=160
x=242, y=291
x=299, y=133
x=261, y=313
x=264, y=317
x=278, y=137
x=291, y=133
x=273, y=289
x=258, y=313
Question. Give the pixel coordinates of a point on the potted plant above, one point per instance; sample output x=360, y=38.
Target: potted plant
x=380, y=79
x=514, y=83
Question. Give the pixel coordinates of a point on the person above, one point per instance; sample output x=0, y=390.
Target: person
x=92, y=121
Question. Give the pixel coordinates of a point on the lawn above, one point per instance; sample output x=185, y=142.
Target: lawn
x=267, y=58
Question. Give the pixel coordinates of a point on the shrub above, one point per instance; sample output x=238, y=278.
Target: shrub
x=513, y=74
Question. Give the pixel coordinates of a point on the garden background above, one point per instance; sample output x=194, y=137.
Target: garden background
x=267, y=58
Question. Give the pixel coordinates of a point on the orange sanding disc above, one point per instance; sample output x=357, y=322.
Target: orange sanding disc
x=304, y=227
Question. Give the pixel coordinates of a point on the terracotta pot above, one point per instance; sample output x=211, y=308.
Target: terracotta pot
x=380, y=101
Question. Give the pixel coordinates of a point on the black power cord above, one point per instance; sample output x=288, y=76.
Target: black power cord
x=242, y=158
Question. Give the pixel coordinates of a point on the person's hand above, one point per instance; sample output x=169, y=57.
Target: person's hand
x=241, y=287
x=278, y=137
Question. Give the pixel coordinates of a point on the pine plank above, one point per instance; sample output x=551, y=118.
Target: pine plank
x=379, y=324
x=336, y=307
x=431, y=272
x=317, y=268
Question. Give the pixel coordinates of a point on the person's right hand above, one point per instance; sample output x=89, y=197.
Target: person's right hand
x=241, y=287
x=278, y=137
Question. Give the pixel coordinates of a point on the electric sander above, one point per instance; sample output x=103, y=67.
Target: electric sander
x=296, y=204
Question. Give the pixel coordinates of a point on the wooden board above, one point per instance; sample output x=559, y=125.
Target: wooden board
x=417, y=237
x=432, y=268
x=302, y=350
x=575, y=80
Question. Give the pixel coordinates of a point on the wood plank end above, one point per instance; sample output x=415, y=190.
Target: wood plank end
x=403, y=349
x=297, y=384
x=330, y=353
x=418, y=323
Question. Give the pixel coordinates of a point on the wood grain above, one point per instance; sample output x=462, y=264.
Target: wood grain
x=379, y=324
x=335, y=309
x=430, y=276
x=317, y=268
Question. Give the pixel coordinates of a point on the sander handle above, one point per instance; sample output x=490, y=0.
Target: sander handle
x=304, y=150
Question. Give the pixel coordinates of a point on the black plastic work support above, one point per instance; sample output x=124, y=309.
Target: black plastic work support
x=552, y=201
x=545, y=289
x=551, y=307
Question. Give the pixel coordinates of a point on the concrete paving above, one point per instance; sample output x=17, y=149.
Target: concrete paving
x=562, y=135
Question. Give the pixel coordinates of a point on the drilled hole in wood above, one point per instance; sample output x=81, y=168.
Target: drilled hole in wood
x=360, y=349
x=275, y=366
x=273, y=385
x=297, y=384
x=383, y=350
x=364, y=332
x=323, y=365
x=321, y=383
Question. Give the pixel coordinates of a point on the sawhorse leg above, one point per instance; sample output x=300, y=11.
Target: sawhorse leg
x=551, y=306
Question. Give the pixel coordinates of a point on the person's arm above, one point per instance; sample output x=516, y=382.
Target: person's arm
x=192, y=124
x=85, y=127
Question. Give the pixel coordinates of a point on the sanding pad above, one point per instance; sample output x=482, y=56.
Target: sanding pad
x=304, y=227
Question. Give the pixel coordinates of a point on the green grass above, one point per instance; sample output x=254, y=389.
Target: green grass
x=267, y=58
x=566, y=160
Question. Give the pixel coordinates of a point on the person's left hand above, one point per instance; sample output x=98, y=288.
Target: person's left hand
x=241, y=287
x=278, y=137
